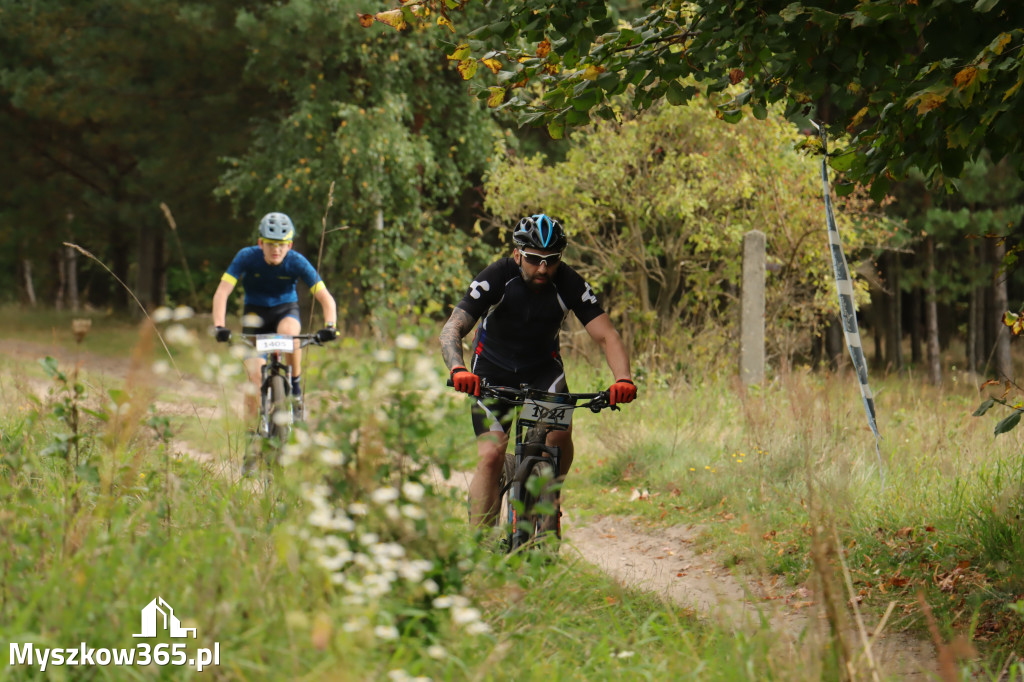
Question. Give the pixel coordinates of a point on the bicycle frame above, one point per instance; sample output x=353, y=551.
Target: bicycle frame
x=274, y=393
x=537, y=414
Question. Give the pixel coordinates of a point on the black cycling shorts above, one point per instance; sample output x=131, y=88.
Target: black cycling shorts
x=491, y=415
x=271, y=316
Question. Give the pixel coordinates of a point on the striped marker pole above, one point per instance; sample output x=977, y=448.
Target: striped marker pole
x=844, y=287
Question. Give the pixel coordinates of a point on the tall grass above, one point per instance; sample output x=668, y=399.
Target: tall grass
x=343, y=562
x=763, y=468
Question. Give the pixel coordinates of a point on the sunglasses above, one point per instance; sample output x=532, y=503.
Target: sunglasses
x=276, y=242
x=550, y=260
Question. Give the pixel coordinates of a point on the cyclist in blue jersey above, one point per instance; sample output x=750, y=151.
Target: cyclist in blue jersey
x=522, y=302
x=268, y=273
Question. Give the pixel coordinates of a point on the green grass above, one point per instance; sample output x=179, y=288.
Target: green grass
x=90, y=534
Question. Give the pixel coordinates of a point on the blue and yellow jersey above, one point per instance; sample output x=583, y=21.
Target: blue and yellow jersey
x=270, y=285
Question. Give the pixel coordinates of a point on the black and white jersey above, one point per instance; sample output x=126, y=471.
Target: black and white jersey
x=518, y=326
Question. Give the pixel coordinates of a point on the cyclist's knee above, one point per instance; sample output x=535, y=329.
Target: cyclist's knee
x=561, y=439
x=491, y=451
x=289, y=325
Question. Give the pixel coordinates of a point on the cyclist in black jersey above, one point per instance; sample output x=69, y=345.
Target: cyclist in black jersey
x=521, y=303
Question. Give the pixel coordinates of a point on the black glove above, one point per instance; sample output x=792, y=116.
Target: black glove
x=327, y=334
x=223, y=334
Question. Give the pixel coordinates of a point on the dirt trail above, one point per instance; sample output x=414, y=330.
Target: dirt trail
x=664, y=563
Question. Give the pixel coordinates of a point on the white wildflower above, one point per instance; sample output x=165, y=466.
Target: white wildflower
x=358, y=509
x=162, y=314
x=393, y=377
x=383, y=355
x=623, y=654
x=384, y=495
x=443, y=602
x=177, y=334
x=160, y=367
x=413, y=491
x=463, y=615
x=430, y=586
x=386, y=632
x=436, y=651
x=391, y=511
x=399, y=675
x=335, y=563
x=478, y=628
x=369, y=539
x=183, y=312
x=406, y=341
x=411, y=511
x=345, y=383
x=332, y=458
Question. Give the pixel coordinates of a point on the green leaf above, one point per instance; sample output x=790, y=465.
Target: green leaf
x=843, y=162
x=880, y=188
x=556, y=129
x=985, y=5
x=1007, y=424
x=984, y=407
x=845, y=188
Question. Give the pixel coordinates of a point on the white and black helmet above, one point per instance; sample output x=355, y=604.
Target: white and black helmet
x=277, y=226
x=538, y=231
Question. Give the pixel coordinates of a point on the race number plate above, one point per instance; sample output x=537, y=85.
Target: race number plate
x=268, y=343
x=544, y=412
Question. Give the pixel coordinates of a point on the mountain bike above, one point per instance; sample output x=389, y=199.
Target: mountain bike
x=278, y=411
x=530, y=483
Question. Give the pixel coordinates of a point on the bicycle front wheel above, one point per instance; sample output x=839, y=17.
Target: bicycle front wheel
x=546, y=517
x=278, y=418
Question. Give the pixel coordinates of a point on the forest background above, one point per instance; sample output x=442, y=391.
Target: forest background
x=155, y=134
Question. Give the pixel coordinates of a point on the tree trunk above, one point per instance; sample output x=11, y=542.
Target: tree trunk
x=62, y=280
x=30, y=290
x=917, y=314
x=931, y=314
x=972, y=318
x=1003, y=361
x=149, y=274
x=894, y=326
x=71, y=270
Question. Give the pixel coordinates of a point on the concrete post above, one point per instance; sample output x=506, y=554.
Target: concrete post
x=752, y=309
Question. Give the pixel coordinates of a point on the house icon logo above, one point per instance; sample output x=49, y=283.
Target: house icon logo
x=159, y=613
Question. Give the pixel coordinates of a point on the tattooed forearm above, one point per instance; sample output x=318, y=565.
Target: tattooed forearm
x=457, y=326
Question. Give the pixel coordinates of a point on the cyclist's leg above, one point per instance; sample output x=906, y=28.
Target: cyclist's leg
x=255, y=320
x=483, y=489
x=490, y=423
x=563, y=441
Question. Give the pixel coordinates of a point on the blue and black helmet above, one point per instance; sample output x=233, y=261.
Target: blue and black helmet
x=540, y=232
x=277, y=226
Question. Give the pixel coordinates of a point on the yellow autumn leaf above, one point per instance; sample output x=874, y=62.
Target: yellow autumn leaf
x=926, y=101
x=497, y=96
x=461, y=52
x=1000, y=42
x=965, y=77
x=444, y=21
x=1013, y=90
x=592, y=72
x=493, y=64
x=393, y=18
x=467, y=67
x=366, y=20
x=543, y=48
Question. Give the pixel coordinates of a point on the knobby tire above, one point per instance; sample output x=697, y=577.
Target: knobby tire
x=278, y=405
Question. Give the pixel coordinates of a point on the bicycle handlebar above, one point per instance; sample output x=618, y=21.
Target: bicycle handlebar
x=515, y=396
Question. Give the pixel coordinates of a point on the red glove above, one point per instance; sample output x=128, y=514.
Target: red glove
x=622, y=391
x=465, y=381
